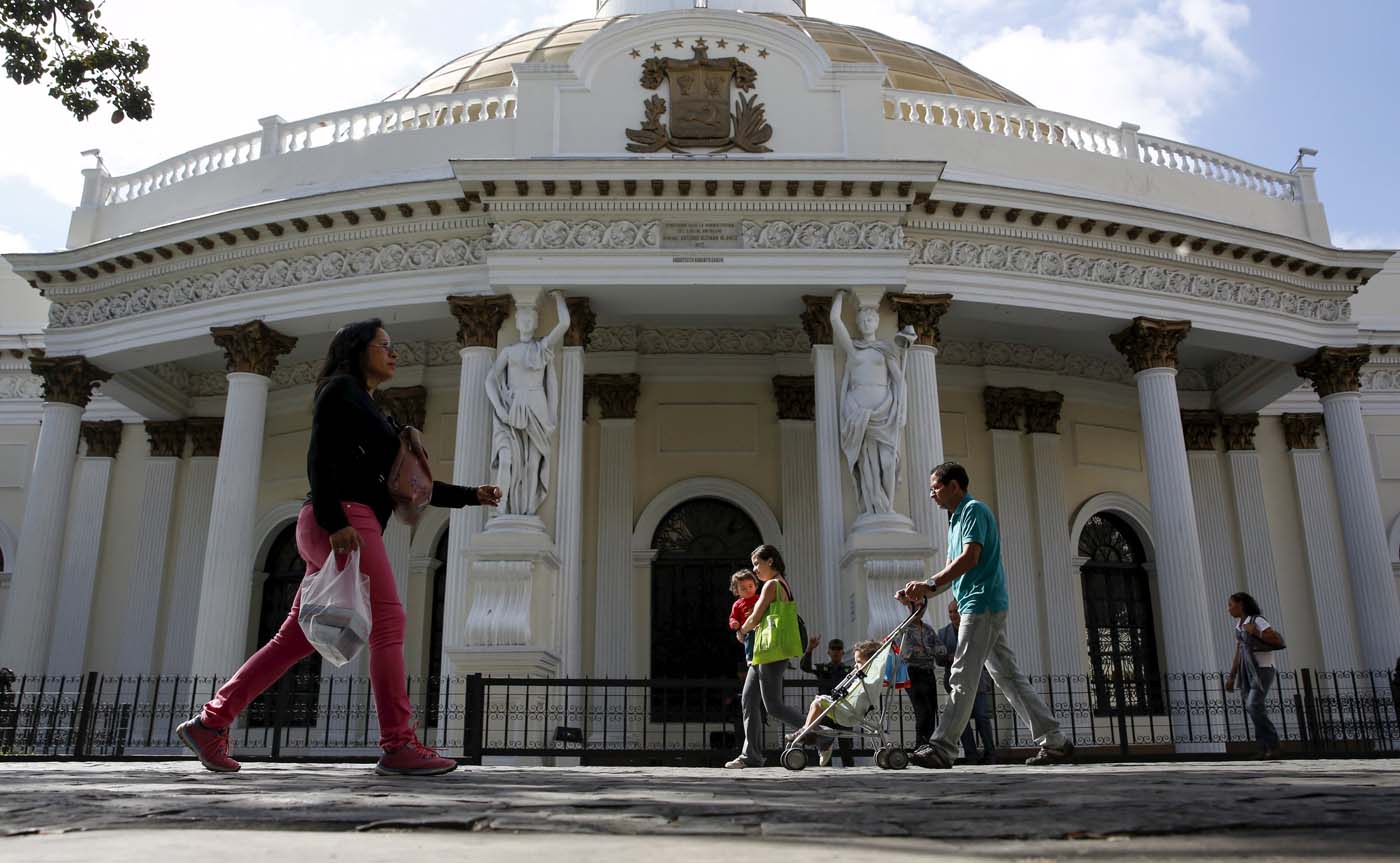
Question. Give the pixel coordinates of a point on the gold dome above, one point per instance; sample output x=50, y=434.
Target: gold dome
x=911, y=67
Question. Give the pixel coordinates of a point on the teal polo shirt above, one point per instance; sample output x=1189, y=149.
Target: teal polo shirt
x=982, y=589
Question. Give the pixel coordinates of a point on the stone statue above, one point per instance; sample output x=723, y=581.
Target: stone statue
x=524, y=392
x=873, y=406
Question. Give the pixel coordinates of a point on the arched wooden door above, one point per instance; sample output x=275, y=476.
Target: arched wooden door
x=285, y=570
x=1118, y=615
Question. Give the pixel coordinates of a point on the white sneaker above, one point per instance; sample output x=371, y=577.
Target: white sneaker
x=824, y=758
x=737, y=764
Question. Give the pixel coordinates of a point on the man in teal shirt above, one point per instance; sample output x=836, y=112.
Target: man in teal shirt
x=978, y=581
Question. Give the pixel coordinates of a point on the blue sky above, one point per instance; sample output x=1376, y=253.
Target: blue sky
x=1254, y=80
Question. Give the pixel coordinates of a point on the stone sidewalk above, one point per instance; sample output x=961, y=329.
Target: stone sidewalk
x=1343, y=809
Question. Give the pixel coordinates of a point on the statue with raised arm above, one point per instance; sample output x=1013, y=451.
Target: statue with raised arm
x=873, y=406
x=523, y=389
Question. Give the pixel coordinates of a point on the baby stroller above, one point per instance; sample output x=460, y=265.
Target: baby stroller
x=861, y=703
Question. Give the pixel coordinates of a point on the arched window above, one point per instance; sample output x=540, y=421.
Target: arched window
x=699, y=544
x=1118, y=615
x=285, y=570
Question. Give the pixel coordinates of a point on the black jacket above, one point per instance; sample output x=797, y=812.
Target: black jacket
x=353, y=447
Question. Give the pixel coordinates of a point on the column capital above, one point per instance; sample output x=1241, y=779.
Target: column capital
x=1335, y=370
x=1003, y=407
x=206, y=433
x=922, y=312
x=479, y=319
x=1149, y=343
x=1043, y=411
x=103, y=438
x=1300, y=430
x=617, y=394
x=796, y=396
x=1239, y=431
x=167, y=439
x=582, y=320
x=67, y=380
x=1198, y=427
x=253, y=347
x=817, y=319
x=408, y=405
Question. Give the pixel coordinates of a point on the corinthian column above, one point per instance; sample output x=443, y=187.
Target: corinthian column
x=82, y=546
x=24, y=635
x=192, y=534
x=1150, y=347
x=831, y=519
x=1003, y=410
x=1213, y=526
x=251, y=352
x=615, y=633
x=923, y=436
x=795, y=396
x=1064, y=597
x=136, y=654
x=1251, y=513
x=568, y=509
x=1336, y=375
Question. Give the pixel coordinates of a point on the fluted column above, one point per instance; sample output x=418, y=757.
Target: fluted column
x=568, y=511
x=192, y=534
x=1003, y=412
x=1322, y=541
x=1150, y=347
x=1064, y=596
x=479, y=322
x=1213, y=526
x=831, y=519
x=615, y=630
x=251, y=351
x=923, y=435
x=795, y=396
x=1251, y=514
x=24, y=635
x=1335, y=374
x=82, y=546
x=136, y=653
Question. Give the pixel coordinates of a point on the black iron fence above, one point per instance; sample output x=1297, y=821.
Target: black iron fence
x=663, y=721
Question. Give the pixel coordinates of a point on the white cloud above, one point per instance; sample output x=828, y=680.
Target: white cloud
x=1367, y=240
x=13, y=242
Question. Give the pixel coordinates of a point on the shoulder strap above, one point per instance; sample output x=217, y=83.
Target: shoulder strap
x=783, y=581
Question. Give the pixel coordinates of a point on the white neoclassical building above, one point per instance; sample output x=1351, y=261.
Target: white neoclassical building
x=1159, y=371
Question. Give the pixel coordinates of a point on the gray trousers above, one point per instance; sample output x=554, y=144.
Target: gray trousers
x=764, y=687
x=982, y=641
x=1255, y=683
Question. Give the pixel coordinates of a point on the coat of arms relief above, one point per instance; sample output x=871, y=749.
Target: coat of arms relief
x=700, y=114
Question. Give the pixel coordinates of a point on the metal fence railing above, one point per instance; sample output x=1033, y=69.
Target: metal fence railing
x=666, y=721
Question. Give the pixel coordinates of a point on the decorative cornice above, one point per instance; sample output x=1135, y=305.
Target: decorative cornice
x=582, y=321
x=1300, y=430
x=68, y=380
x=1335, y=370
x=1003, y=407
x=1043, y=412
x=617, y=394
x=103, y=438
x=1148, y=343
x=327, y=266
x=479, y=319
x=621, y=234
x=167, y=439
x=796, y=396
x=556, y=234
x=922, y=312
x=1112, y=369
x=1052, y=264
x=1198, y=427
x=408, y=405
x=647, y=340
x=843, y=235
x=816, y=320
x=205, y=435
x=1239, y=431
x=253, y=347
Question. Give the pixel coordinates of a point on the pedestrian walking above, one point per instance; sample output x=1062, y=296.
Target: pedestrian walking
x=763, y=686
x=1253, y=668
x=829, y=674
x=353, y=447
x=975, y=574
x=981, y=705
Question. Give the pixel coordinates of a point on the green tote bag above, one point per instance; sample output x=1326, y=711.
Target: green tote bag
x=779, y=635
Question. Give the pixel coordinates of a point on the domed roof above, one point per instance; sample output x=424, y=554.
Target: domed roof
x=911, y=67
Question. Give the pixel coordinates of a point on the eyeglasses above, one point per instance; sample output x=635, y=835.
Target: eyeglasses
x=387, y=347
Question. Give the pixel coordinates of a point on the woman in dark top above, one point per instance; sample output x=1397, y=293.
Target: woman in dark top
x=353, y=447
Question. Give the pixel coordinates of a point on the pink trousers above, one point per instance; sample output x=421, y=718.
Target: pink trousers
x=289, y=645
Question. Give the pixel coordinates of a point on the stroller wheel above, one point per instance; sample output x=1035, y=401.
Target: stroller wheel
x=882, y=758
x=897, y=759
x=794, y=759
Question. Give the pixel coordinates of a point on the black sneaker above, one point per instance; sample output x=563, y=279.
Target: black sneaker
x=930, y=757
x=1046, y=756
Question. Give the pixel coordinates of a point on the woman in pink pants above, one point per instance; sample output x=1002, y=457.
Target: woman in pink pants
x=353, y=447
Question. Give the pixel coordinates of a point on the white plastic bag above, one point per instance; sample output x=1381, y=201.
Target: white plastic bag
x=335, y=610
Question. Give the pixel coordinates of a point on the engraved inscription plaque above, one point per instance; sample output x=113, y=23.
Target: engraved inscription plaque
x=699, y=235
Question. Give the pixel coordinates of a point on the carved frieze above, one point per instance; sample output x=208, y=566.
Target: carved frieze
x=844, y=235
x=1003, y=407
x=253, y=347
x=816, y=320
x=922, y=312
x=103, y=438
x=167, y=439
x=1043, y=411
x=1198, y=428
x=479, y=319
x=525, y=235
x=1148, y=343
x=205, y=436
x=1335, y=370
x=1239, y=430
x=617, y=394
x=408, y=405
x=1300, y=430
x=21, y=385
x=796, y=396
x=68, y=380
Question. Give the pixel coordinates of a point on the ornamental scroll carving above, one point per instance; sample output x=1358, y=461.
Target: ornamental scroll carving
x=407, y=405
x=779, y=234
x=1148, y=343
x=589, y=234
x=1095, y=270
x=796, y=396
x=1043, y=412
x=1003, y=407
x=1300, y=430
x=1198, y=428
x=617, y=394
x=167, y=439
x=103, y=438
x=68, y=380
x=1239, y=431
x=206, y=433
x=253, y=347
x=479, y=319
x=922, y=312
x=1335, y=370
x=816, y=321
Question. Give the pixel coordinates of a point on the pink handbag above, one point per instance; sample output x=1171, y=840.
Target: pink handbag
x=410, y=480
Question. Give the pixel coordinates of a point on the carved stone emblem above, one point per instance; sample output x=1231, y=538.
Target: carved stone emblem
x=700, y=115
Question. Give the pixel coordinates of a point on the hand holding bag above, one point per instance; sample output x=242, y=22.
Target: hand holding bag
x=780, y=634
x=335, y=612
x=410, y=480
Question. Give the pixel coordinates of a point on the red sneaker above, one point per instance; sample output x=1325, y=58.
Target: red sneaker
x=210, y=744
x=413, y=759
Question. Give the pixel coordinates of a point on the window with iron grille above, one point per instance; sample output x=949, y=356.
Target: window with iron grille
x=1118, y=617
x=285, y=570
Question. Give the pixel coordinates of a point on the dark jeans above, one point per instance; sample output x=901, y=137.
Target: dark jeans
x=923, y=695
x=1255, y=684
x=982, y=720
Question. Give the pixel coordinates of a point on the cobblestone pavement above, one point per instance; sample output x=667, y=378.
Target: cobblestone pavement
x=1335, y=809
